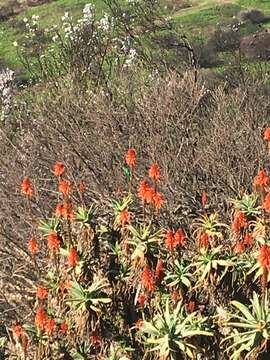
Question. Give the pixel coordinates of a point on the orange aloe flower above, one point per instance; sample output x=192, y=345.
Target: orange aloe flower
x=95, y=340
x=170, y=240
x=266, y=134
x=50, y=326
x=158, y=200
x=159, y=270
x=191, y=306
x=149, y=195
x=239, y=222
x=64, y=187
x=73, y=257
x=65, y=210
x=59, y=210
x=131, y=158
x=41, y=319
x=139, y=324
x=141, y=300
x=147, y=279
x=53, y=241
x=239, y=247
x=82, y=186
x=204, y=199
x=261, y=180
x=63, y=329
x=175, y=295
x=143, y=189
x=180, y=237
x=203, y=240
x=266, y=203
x=42, y=293
x=59, y=169
x=25, y=342
x=154, y=172
x=124, y=217
x=17, y=331
x=264, y=257
x=27, y=187
x=33, y=246
x=248, y=240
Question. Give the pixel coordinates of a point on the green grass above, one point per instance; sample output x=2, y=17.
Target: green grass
x=50, y=14
x=203, y=16
x=258, y=4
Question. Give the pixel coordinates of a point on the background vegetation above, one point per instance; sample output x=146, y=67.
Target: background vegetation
x=96, y=262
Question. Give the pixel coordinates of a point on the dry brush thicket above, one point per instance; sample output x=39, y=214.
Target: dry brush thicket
x=203, y=140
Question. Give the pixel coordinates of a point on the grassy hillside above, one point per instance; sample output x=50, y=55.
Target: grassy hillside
x=193, y=17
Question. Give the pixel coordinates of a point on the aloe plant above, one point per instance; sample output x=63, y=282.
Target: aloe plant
x=85, y=216
x=250, y=328
x=179, y=275
x=210, y=225
x=247, y=204
x=210, y=266
x=143, y=240
x=172, y=331
x=48, y=226
x=92, y=297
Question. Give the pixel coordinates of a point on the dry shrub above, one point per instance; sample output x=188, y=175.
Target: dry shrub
x=203, y=140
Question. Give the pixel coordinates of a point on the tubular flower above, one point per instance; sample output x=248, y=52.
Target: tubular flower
x=149, y=195
x=261, y=180
x=266, y=203
x=147, y=279
x=170, y=240
x=59, y=169
x=159, y=270
x=175, y=295
x=141, y=300
x=95, y=340
x=203, y=240
x=42, y=293
x=65, y=210
x=59, y=210
x=53, y=241
x=264, y=257
x=248, y=240
x=82, y=186
x=180, y=237
x=124, y=217
x=25, y=342
x=204, y=199
x=154, y=172
x=26, y=187
x=158, y=200
x=32, y=246
x=139, y=324
x=131, y=158
x=64, y=187
x=63, y=329
x=191, y=306
x=143, y=189
x=266, y=134
x=73, y=257
x=41, y=319
x=239, y=247
x=17, y=331
x=50, y=326
x=239, y=222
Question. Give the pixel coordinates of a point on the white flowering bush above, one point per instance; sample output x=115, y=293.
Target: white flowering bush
x=6, y=92
x=95, y=49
